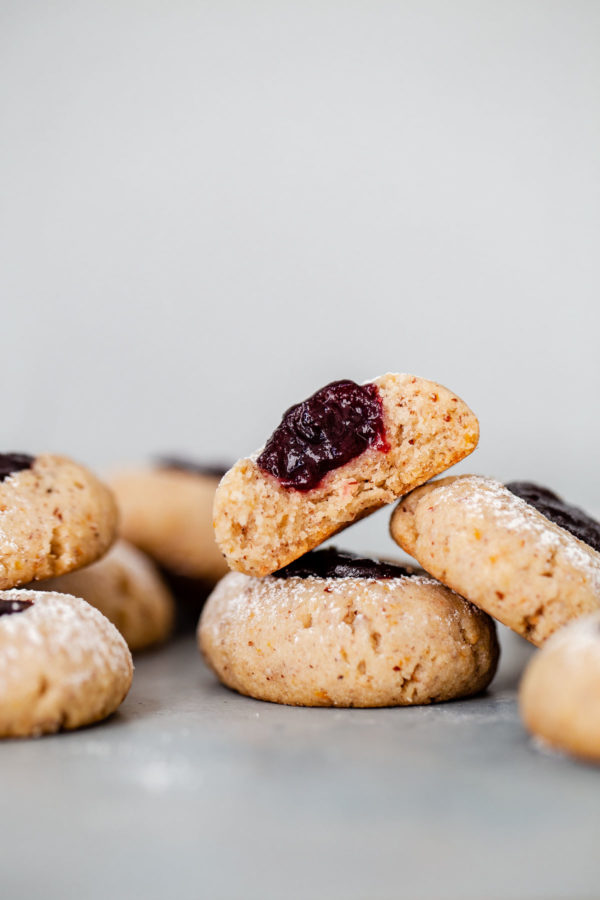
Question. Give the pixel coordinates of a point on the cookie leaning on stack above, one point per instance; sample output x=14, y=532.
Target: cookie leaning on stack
x=501, y=552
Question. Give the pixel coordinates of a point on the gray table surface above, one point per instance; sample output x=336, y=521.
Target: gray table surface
x=193, y=791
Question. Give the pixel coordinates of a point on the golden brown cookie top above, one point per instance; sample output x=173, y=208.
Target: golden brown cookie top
x=55, y=517
x=500, y=552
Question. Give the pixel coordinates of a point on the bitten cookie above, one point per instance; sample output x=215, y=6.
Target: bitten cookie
x=559, y=697
x=55, y=516
x=343, y=453
x=127, y=588
x=62, y=664
x=166, y=511
x=496, y=549
x=346, y=632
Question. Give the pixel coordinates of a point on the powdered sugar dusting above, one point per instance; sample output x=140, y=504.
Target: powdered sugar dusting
x=59, y=625
x=241, y=598
x=486, y=497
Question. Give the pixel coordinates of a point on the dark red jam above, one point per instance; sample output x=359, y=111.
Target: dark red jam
x=571, y=518
x=11, y=463
x=212, y=470
x=335, y=425
x=8, y=607
x=334, y=563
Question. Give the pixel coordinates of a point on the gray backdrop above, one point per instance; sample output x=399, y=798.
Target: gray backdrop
x=211, y=209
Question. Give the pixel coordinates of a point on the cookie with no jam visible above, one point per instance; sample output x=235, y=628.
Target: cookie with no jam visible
x=127, y=588
x=559, y=695
x=500, y=552
x=166, y=511
x=334, y=630
x=338, y=456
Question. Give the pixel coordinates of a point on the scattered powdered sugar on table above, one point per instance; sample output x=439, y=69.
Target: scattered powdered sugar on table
x=542, y=746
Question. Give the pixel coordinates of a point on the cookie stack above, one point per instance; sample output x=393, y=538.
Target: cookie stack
x=297, y=625
x=62, y=663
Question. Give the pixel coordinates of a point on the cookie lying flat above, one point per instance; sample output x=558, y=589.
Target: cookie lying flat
x=494, y=548
x=127, y=588
x=166, y=511
x=62, y=664
x=356, y=634
x=559, y=696
x=343, y=453
x=55, y=516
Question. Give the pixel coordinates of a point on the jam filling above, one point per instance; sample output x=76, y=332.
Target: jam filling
x=11, y=463
x=335, y=425
x=334, y=563
x=571, y=518
x=180, y=464
x=8, y=607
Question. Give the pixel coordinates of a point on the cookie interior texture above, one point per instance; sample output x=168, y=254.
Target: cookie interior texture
x=559, y=695
x=62, y=665
x=499, y=552
x=346, y=641
x=262, y=526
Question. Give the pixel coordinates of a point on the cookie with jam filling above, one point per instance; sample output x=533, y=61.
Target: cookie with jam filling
x=341, y=454
x=334, y=629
